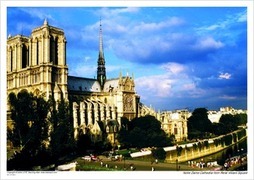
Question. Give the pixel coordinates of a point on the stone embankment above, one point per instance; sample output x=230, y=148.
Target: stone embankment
x=198, y=149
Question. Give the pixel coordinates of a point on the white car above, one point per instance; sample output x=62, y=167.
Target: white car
x=87, y=158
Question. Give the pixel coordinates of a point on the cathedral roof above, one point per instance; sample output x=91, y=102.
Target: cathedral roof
x=111, y=84
x=83, y=84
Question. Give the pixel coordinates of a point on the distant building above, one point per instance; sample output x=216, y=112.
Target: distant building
x=214, y=116
x=175, y=123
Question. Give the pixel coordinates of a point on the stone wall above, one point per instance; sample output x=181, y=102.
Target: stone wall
x=199, y=149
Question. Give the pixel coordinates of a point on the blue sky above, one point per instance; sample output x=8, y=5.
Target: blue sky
x=181, y=57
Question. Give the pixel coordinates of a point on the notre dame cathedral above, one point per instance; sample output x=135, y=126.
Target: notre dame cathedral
x=38, y=64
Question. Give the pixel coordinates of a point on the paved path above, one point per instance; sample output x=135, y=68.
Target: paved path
x=139, y=165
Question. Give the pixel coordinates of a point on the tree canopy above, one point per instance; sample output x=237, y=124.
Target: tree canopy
x=199, y=126
x=29, y=114
x=61, y=135
x=41, y=132
x=30, y=121
x=143, y=132
x=229, y=123
x=198, y=123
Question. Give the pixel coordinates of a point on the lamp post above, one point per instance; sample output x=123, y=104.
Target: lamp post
x=124, y=162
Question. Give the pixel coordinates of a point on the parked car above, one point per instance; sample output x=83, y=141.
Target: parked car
x=94, y=158
x=87, y=158
x=90, y=157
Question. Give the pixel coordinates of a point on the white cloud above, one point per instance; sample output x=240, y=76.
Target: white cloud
x=154, y=86
x=227, y=97
x=125, y=10
x=226, y=23
x=139, y=48
x=88, y=68
x=153, y=26
x=113, y=12
x=173, y=67
x=224, y=76
x=36, y=12
x=208, y=43
x=87, y=58
x=214, y=27
x=112, y=68
x=145, y=41
x=175, y=82
x=83, y=70
x=189, y=86
x=242, y=17
x=219, y=25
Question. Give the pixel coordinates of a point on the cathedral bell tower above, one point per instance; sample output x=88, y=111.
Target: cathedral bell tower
x=101, y=69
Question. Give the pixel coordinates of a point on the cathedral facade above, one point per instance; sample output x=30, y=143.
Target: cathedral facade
x=38, y=65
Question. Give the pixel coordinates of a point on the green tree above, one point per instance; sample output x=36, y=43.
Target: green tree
x=30, y=120
x=179, y=150
x=144, y=132
x=62, y=140
x=229, y=121
x=218, y=128
x=83, y=143
x=159, y=153
x=124, y=123
x=29, y=134
x=198, y=124
x=241, y=119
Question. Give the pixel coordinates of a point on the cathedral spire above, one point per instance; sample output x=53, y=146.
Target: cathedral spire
x=101, y=53
x=101, y=69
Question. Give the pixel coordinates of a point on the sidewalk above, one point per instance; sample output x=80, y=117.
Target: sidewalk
x=139, y=165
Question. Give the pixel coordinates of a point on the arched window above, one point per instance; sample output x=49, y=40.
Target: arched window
x=24, y=56
x=37, y=52
x=56, y=51
x=11, y=58
x=175, y=129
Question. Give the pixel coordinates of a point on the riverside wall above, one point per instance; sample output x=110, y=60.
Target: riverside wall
x=190, y=151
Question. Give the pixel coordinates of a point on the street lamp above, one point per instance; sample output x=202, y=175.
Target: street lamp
x=123, y=162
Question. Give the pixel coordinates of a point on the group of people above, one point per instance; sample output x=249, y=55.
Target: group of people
x=236, y=160
x=200, y=164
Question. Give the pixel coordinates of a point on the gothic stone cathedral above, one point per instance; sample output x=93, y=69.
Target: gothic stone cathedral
x=38, y=64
